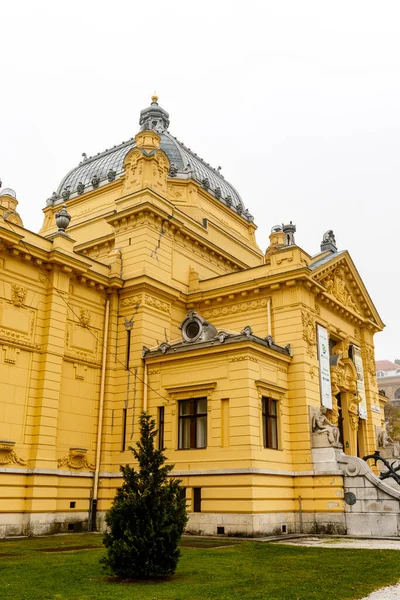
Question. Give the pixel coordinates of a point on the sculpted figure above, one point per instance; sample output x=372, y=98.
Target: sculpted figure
x=321, y=424
x=385, y=441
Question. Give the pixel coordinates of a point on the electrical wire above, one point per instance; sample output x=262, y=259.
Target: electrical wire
x=110, y=353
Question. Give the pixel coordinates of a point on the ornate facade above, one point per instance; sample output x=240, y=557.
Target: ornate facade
x=145, y=290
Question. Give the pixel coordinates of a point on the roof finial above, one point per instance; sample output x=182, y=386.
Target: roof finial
x=154, y=98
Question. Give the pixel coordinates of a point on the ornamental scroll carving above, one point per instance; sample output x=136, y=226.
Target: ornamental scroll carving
x=309, y=332
x=344, y=379
x=8, y=456
x=370, y=362
x=335, y=284
x=76, y=459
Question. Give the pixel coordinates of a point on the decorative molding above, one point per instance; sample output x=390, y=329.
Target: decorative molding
x=8, y=456
x=309, y=332
x=81, y=345
x=234, y=309
x=18, y=294
x=132, y=300
x=270, y=390
x=243, y=357
x=17, y=326
x=76, y=459
x=80, y=371
x=158, y=304
x=11, y=354
x=153, y=371
x=194, y=390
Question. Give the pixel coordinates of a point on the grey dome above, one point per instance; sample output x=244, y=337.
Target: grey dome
x=109, y=165
x=8, y=192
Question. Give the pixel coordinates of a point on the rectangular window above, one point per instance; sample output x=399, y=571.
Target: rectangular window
x=192, y=423
x=196, y=499
x=161, y=427
x=270, y=423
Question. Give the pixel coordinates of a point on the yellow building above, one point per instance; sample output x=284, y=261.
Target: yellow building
x=145, y=290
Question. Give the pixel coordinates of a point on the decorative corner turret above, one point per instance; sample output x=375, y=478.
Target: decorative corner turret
x=276, y=240
x=8, y=207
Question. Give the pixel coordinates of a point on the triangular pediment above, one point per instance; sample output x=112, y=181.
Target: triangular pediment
x=343, y=283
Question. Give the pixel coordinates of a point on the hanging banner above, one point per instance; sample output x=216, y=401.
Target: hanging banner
x=357, y=358
x=324, y=366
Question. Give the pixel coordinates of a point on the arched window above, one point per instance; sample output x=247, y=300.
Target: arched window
x=397, y=394
x=380, y=373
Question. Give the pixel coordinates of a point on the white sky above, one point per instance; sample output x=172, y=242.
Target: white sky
x=298, y=101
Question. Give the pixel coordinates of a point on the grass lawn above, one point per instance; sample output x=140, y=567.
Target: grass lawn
x=67, y=568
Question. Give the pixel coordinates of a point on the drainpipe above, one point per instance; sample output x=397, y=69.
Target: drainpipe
x=269, y=327
x=144, y=385
x=93, y=503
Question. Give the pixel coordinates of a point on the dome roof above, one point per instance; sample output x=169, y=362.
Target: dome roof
x=109, y=165
x=8, y=192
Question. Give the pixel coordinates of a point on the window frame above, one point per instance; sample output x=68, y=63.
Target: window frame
x=193, y=418
x=269, y=418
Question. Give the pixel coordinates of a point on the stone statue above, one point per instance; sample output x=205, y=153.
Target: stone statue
x=329, y=237
x=385, y=441
x=321, y=424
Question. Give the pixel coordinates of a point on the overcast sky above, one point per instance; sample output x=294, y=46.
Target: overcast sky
x=298, y=101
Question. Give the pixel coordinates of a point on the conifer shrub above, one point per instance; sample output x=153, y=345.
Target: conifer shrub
x=148, y=515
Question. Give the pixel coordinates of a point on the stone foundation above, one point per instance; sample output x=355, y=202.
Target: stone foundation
x=16, y=524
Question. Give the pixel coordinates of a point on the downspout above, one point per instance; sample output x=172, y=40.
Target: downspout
x=93, y=507
x=144, y=385
x=269, y=327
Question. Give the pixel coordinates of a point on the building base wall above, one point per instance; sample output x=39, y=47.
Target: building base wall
x=257, y=525
x=23, y=524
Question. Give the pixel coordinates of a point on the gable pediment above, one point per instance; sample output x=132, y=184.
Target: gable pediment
x=343, y=284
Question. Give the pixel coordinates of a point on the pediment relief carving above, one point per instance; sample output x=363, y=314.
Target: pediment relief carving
x=338, y=284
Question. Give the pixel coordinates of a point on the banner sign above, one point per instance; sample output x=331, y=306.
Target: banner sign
x=357, y=358
x=324, y=366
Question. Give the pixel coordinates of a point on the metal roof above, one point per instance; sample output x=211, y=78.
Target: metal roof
x=106, y=166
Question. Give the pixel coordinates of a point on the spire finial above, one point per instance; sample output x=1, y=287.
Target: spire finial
x=154, y=98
